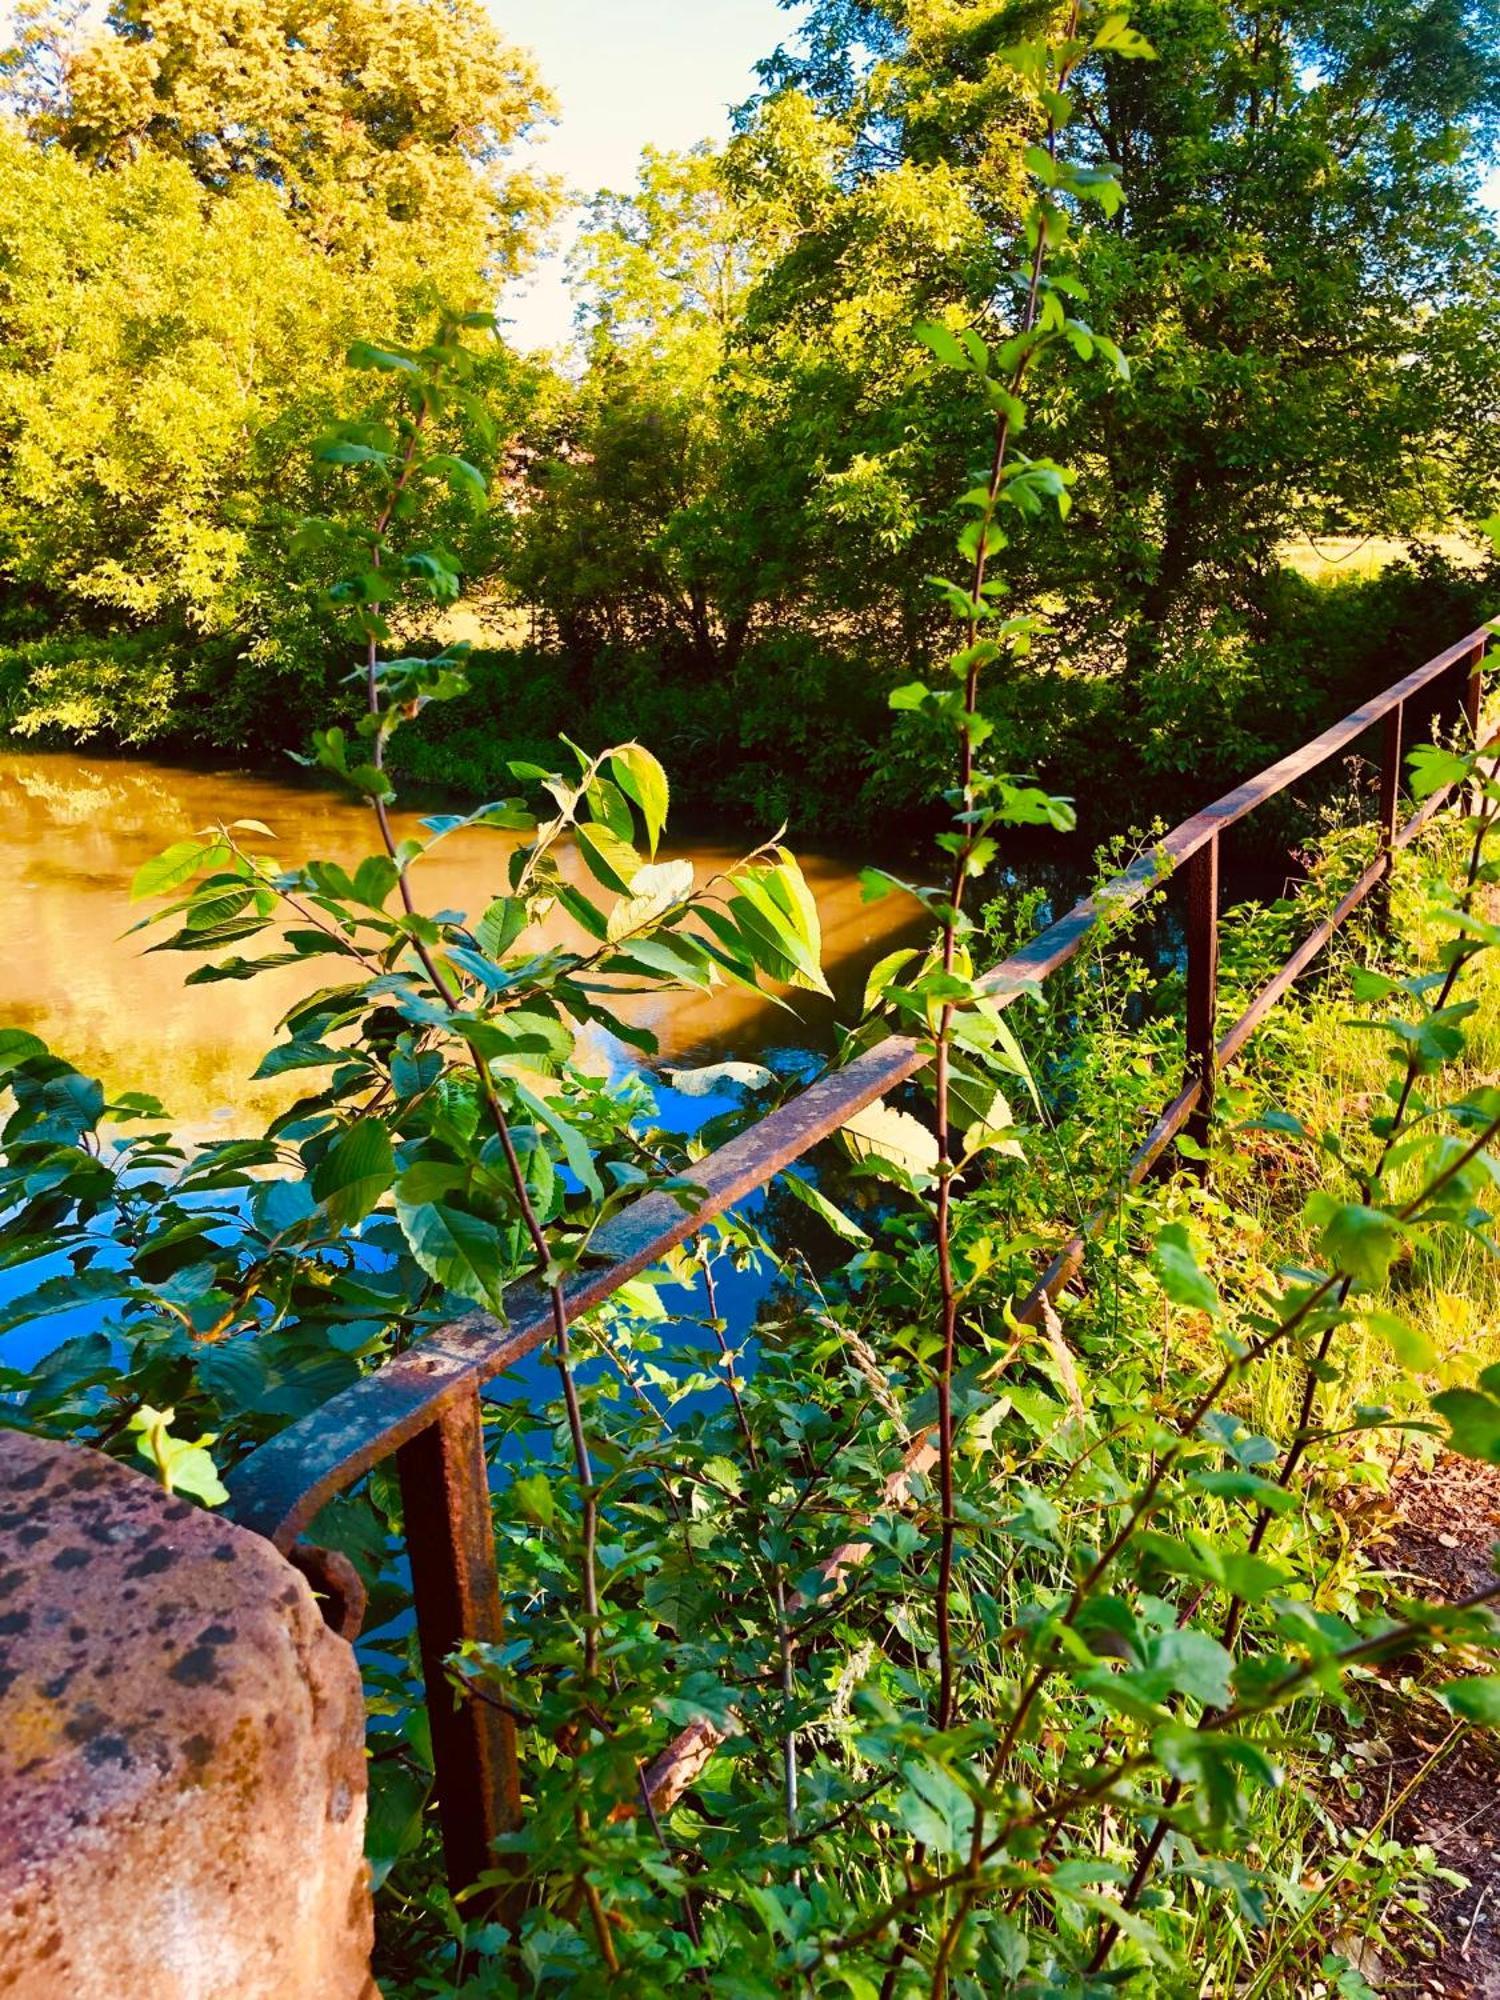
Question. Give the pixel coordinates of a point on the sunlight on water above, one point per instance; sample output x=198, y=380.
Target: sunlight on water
x=77, y=828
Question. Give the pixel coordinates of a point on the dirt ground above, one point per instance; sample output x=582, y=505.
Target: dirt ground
x=1445, y=1524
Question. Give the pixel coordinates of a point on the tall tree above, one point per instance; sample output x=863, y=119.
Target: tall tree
x=627, y=541
x=1301, y=226
x=201, y=205
x=349, y=107
x=1301, y=223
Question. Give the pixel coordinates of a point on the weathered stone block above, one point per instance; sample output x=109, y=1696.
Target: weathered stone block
x=181, y=1751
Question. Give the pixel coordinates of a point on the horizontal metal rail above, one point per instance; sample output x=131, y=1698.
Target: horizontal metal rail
x=279, y=1488
x=424, y=1404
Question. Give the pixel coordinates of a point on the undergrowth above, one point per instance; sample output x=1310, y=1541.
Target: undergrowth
x=938, y=1636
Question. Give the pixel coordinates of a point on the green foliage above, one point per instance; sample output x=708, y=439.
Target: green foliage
x=358, y=115
x=229, y=1274
x=1176, y=1631
x=1309, y=285
x=182, y=1467
x=173, y=324
x=1306, y=275
x=624, y=540
x=1137, y=1600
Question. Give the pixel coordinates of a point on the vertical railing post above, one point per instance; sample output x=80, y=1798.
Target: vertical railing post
x=1474, y=691
x=450, y=1541
x=1202, y=982
x=1392, y=745
x=1463, y=695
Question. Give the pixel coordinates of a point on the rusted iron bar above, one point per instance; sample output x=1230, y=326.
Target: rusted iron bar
x=450, y=1543
x=1276, y=988
x=1068, y=1261
x=1390, y=775
x=1474, y=689
x=1187, y=838
x=425, y=1404
x=1202, y=983
x=280, y=1487
x=1392, y=743
x=337, y=1585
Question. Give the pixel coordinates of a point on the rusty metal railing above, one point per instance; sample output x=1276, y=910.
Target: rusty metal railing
x=424, y=1407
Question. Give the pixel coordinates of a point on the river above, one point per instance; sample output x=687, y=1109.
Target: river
x=76, y=828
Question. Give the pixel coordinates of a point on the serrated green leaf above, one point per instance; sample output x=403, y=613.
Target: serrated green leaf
x=812, y=1198
x=1473, y=1418
x=457, y=1250
x=653, y=892
x=182, y=1466
x=534, y=1501
x=355, y=1172
x=944, y=344
x=176, y=865
x=1476, y=1699
x=1362, y=1242
x=500, y=926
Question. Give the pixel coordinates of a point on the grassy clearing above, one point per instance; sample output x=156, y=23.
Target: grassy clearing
x=1328, y=558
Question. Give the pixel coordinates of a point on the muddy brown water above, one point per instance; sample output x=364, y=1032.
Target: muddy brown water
x=76, y=828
